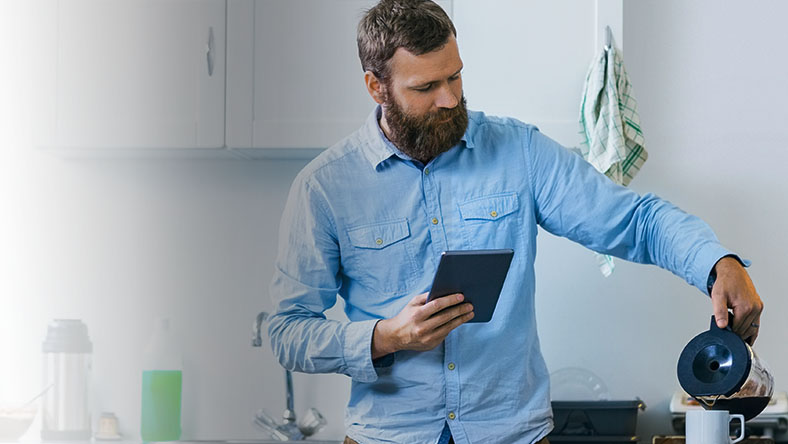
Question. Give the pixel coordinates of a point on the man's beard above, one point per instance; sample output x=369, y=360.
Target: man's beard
x=424, y=137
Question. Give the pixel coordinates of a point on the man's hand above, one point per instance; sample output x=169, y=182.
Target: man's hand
x=734, y=289
x=420, y=325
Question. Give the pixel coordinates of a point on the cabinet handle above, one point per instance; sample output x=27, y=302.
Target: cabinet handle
x=209, y=51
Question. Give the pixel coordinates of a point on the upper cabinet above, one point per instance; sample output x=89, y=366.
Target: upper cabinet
x=141, y=74
x=282, y=78
x=297, y=86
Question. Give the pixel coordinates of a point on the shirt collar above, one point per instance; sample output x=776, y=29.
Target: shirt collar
x=378, y=148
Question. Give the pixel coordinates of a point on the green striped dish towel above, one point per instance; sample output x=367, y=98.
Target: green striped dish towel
x=613, y=141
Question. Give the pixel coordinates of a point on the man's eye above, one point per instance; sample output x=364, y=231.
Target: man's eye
x=454, y=77
x=424, y=88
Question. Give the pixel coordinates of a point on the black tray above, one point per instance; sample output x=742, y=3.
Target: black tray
x=595, y=439
x=596, y=418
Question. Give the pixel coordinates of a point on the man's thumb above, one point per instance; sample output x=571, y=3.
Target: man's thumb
x=720, y=307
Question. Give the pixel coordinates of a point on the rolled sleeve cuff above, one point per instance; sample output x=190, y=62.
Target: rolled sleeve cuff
x=358, y=350
x=705, y=260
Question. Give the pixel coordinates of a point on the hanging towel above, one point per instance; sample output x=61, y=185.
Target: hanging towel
x=609, y=120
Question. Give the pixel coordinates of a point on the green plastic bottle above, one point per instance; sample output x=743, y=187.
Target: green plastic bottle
x=162, y=378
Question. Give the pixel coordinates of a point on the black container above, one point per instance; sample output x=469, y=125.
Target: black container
x=596, y=418
x=569, y=439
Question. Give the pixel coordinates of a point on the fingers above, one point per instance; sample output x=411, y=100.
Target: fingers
x=749, y=329
x=438, y=304
x=756, y=329
x=742, y=321
x=446, y=328
x=719, y=304
x=442, y=317
x=746, y=314
x=430, y=322
x=752, y=332
x=419, y=299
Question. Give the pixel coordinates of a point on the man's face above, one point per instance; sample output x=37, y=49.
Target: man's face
x=423, y=104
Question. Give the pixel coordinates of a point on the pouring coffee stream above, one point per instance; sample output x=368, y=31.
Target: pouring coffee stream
x=722, y=372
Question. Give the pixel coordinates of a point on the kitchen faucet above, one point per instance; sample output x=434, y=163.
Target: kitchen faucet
x=288, y=429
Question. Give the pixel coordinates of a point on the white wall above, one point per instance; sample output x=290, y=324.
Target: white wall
x=117, y=243
x=710, y=80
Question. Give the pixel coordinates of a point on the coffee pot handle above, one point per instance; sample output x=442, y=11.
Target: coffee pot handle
x=741, y=429
x=713, y=325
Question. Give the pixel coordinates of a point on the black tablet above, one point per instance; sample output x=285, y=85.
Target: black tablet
x=477, y=274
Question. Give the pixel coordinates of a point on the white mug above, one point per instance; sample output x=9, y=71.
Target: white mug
x=711, y=427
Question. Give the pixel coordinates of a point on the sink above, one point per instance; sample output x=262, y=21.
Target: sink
x=246, y=441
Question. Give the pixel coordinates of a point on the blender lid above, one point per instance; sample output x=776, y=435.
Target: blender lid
x=715, y=362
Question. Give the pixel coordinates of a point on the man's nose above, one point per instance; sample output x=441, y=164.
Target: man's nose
x=446, y=98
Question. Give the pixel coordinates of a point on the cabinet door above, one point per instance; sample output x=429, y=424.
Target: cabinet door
x=309, y=87
x=132, y=74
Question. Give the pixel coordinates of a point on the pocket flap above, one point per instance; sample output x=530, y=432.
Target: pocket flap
x=490, y=207
x=379, y=235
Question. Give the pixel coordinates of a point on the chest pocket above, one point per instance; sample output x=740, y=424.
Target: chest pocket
x=490, y=221
x=380, y=256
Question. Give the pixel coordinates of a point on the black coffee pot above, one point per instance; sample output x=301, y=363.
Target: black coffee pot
x=722, y=372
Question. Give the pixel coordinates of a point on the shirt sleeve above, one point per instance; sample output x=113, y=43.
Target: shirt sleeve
x=305, y=284
x=573, y=200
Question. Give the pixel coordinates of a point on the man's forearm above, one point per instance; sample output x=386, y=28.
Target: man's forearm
x=312, y=344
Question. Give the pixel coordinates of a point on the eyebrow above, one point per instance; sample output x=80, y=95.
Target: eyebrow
x=422, y=85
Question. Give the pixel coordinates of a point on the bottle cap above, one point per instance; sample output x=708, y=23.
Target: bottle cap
x=163, y=351
x=67, y=336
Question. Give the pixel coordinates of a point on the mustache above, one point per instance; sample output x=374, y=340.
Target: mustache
x=442, y=115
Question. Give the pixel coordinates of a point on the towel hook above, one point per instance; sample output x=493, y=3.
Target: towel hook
x=608, y=38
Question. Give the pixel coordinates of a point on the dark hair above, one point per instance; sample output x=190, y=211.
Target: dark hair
x=419, y=26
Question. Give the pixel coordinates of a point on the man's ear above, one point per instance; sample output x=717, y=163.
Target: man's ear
x=374, y=87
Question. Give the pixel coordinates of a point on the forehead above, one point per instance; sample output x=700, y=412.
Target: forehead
x=412, y=69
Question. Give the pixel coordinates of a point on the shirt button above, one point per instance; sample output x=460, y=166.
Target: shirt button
x=451, y=366
x=434, y=221
x=452, y=415
x=378, y=241
x=494, y=213
x=426, y=171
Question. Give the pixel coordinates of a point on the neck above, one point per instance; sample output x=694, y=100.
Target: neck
x=384, y=125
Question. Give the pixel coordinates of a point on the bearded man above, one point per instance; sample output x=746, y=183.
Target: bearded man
x=368, y=219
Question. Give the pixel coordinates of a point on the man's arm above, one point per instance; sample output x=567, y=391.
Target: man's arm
x=305, y=285
x=575, y=201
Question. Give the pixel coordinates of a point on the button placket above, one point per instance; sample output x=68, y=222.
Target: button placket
x=433, y=211
x=451, y=375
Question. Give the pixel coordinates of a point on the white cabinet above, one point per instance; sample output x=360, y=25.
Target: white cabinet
x=303, y=72
x=131, y=74
x=280, y=78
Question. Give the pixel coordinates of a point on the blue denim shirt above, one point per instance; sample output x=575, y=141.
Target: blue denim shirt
x=366, y=223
